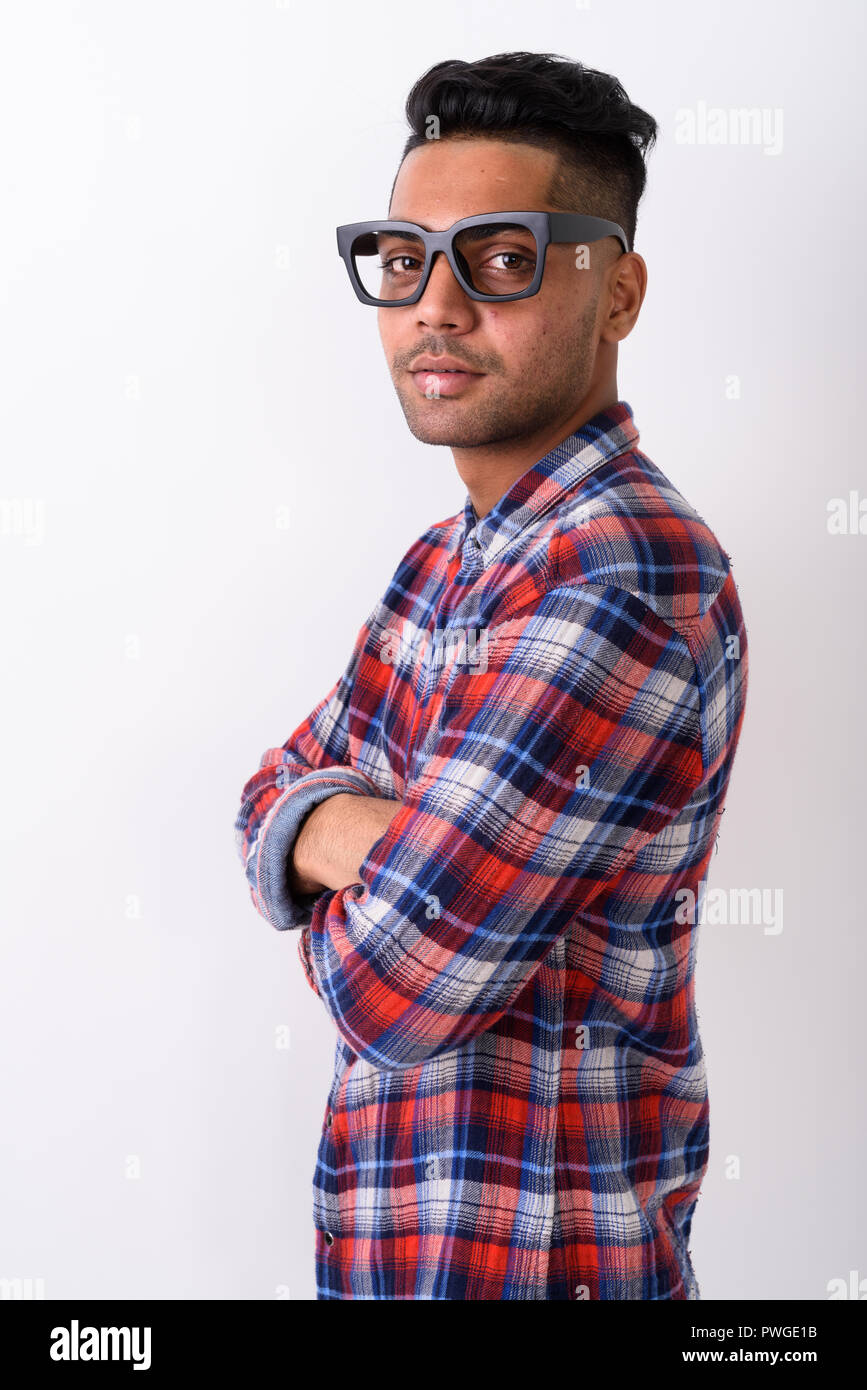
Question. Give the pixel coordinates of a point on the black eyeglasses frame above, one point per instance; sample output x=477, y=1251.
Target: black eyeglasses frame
x=547, y=227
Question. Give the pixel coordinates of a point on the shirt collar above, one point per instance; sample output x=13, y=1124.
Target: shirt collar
x=608, y=433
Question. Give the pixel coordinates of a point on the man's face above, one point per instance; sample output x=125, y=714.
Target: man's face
x=533, y=358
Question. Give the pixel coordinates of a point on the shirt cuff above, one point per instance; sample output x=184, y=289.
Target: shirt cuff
x=277, y=838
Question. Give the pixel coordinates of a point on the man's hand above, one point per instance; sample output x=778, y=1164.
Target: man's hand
x=335, y=839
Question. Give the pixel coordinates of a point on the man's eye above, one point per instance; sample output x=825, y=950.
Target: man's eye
x=512, y=260
x=399, y=263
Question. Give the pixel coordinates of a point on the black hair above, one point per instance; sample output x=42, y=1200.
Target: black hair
x=541, y=99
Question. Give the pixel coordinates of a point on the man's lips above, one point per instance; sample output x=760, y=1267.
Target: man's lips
x=442, y=380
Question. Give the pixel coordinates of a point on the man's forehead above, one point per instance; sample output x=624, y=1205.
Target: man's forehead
x=445, y=180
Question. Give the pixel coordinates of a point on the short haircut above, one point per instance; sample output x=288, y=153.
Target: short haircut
x=542, y=99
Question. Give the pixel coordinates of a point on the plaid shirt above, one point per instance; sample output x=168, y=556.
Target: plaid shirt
x=554, y=694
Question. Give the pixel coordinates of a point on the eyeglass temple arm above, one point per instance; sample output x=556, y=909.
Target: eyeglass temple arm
x=576, y=226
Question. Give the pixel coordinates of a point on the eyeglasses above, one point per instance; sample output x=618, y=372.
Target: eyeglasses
x=494, y=256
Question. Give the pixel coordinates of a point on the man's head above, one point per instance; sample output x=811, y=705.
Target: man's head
x=520, y=131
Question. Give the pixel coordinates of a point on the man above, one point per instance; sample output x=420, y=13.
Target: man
x=490, y=830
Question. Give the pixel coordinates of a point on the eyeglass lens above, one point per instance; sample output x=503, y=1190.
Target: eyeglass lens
x=494, y=258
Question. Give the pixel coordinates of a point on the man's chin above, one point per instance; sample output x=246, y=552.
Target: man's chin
x=437, y=432
x=450, y=422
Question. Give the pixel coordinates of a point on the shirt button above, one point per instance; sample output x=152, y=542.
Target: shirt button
x=330, y=1120
x=329, y=1239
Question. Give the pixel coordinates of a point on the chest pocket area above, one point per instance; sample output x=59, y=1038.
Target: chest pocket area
x=398, y=678
x=455, y=657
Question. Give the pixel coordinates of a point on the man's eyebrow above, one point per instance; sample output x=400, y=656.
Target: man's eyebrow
x=488, y=229
x=395, y=231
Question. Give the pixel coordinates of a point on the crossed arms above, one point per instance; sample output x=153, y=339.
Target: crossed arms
x=425, y=913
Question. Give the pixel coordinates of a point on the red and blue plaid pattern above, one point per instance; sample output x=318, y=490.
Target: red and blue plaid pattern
x=554, y=693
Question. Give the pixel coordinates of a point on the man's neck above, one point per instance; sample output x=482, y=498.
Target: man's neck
x=489, y=470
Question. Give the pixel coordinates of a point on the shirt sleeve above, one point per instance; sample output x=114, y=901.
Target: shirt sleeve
x=544, y=775
x=313, y=764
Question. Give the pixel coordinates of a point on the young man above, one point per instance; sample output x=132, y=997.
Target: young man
x=492, y=831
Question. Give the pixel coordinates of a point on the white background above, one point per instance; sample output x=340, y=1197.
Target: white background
x=184, y=368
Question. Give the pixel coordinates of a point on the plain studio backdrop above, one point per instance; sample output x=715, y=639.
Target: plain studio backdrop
x=207, y=482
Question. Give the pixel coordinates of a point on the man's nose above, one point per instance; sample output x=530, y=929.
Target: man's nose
x=444, y=299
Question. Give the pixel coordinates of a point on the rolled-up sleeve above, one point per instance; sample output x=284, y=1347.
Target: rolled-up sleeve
x=543, y=776
x=268, y=865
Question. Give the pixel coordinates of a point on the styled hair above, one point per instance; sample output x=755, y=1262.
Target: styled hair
x=542, y=99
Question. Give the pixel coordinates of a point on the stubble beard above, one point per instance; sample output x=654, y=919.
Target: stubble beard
x=546, y=391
